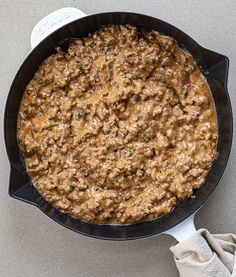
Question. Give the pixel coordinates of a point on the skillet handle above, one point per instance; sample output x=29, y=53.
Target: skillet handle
x=52, y=22
x=183, y=230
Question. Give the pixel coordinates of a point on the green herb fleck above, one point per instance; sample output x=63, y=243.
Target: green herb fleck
x=106, y=59
x=82, y=65
x=111, y=181
x=55, y=119
x=81, y=116
x=126, y=173
x=184, y=92
x=71, y=188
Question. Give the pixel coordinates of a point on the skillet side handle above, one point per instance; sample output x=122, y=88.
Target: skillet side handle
x=183, y=230
x=220, y=71
x=20, y=187
x=216, y=66
x=52, y=22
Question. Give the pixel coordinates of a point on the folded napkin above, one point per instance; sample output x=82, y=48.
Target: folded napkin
x=205, y=255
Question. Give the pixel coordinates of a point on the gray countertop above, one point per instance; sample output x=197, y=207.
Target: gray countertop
x=33, y=245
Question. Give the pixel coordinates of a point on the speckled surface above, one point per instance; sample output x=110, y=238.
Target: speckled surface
x=33, y=245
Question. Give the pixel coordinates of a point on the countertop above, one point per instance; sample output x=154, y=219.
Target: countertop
x=33, y=245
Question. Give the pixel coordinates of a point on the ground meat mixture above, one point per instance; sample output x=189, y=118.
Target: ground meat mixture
x=119, y=128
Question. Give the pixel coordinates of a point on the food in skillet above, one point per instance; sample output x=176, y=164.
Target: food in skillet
x=119, y=128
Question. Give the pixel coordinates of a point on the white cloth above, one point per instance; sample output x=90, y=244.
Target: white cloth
x=206, y=255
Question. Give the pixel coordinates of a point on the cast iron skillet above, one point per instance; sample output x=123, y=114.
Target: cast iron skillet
x=213, y=66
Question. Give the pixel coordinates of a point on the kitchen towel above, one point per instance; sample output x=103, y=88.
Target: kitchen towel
x=206, y=255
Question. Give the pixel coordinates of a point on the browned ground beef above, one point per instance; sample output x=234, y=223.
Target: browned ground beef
x=119, y=128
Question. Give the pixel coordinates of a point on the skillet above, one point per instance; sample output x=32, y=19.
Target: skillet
x=214, y=67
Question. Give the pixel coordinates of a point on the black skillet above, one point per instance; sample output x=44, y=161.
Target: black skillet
x=214, y=67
